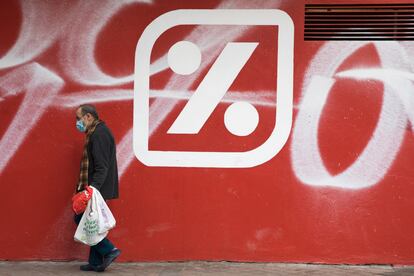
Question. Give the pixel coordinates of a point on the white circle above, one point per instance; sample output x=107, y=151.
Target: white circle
x=184, y=57
x=241, y=118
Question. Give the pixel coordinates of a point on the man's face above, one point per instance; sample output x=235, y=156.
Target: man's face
x=84, y=118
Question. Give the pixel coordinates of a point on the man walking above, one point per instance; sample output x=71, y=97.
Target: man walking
x=98, y=169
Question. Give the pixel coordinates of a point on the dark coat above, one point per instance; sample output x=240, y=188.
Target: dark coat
x=103, y=170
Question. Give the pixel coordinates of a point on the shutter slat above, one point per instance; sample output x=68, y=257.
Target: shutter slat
x=359, y=22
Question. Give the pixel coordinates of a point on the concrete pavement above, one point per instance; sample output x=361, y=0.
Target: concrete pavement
x=200, y=268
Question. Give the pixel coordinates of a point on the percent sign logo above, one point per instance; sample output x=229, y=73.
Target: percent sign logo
x=241, y=118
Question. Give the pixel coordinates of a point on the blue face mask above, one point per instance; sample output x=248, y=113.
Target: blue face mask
x=80, y=126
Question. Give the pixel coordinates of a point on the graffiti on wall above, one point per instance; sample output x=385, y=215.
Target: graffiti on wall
x=46, y=24
x=377, y=157
x=351, y=114
x=76, y=56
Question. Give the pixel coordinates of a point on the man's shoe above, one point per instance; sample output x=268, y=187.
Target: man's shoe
x=88, y=267
x=108, y=259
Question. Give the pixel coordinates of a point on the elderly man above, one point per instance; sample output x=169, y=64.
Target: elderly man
x=98, y=169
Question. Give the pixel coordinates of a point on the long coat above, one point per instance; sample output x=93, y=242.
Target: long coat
x=103, y=170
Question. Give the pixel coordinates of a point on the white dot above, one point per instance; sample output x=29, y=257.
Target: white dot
x=184, y=57
x=241, y=118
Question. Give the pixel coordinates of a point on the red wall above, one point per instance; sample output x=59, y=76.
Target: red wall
x=339, y=191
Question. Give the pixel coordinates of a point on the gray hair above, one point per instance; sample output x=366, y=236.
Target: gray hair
x=88, y=108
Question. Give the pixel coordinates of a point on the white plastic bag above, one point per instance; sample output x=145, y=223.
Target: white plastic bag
x=96, y=221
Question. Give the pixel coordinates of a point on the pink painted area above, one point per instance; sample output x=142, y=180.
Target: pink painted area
x=339, y=191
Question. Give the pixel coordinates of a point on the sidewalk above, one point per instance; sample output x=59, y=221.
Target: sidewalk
x=200, y=268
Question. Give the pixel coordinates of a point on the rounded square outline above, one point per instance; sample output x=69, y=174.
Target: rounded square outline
x=284, y=93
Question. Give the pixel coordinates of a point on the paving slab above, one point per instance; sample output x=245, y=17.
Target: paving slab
x=199, y=268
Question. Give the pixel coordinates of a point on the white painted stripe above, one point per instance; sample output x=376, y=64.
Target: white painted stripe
x=75, y=99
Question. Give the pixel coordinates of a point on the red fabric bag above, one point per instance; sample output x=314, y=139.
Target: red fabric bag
x=80, y=200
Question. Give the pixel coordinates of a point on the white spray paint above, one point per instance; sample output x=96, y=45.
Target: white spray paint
x=380, y=152
x=259, y=98
x=40, y=87
x=65, y=23
x=41, y=23
x=78, y=46
x=44, y=24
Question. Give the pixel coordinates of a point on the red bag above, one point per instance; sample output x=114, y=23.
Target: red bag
x=80, y=200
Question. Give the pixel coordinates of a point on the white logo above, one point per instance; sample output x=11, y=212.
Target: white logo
x=241, y=118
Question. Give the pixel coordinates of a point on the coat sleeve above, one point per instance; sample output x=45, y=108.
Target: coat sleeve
x=101, y=151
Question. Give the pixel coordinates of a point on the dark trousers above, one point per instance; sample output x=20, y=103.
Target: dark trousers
x=98, y=251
